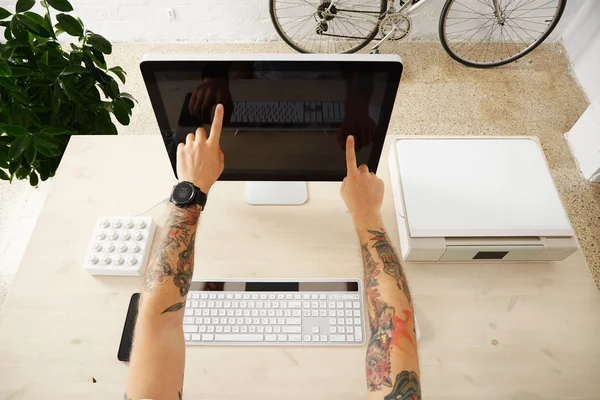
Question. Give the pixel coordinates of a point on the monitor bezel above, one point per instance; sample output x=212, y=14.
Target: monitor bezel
x=381, y=63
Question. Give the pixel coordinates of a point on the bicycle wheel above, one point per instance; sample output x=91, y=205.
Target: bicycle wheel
x=473, y=34
x=318, y=26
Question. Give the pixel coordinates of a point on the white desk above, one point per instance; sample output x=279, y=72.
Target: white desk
x=61, y=326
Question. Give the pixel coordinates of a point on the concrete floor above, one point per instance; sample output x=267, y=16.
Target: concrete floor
x=535, y=96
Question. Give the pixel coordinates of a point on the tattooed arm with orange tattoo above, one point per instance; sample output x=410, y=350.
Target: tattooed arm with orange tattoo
x=158, y=353
x=392, y=365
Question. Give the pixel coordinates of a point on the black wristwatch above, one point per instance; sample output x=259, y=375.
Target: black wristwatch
x=185, y=194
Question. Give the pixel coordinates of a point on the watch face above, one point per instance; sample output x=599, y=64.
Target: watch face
x=183, y=193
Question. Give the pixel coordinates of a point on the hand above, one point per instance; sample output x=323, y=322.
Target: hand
x=361, y=190
x=212, y=92
x=200, y=160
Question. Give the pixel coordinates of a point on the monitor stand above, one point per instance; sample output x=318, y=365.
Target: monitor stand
x=275, y=193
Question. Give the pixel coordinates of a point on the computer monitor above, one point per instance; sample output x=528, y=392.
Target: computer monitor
x=287, y=116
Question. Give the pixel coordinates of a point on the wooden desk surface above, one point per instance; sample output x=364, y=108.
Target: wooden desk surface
x=495, y=331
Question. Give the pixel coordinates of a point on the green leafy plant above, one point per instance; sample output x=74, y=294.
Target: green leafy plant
x=48, y=94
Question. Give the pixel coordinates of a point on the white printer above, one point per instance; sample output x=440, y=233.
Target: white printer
x=477, y=199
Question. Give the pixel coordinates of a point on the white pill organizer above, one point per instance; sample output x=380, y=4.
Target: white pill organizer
x=120, y=245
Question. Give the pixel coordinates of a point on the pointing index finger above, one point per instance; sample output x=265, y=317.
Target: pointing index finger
x=217, y=125
x=350, y=155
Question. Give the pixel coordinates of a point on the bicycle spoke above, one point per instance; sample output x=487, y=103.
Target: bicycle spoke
x=489, y=39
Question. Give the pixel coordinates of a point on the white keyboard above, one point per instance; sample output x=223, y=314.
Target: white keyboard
x=307, y=318
x=120, y=245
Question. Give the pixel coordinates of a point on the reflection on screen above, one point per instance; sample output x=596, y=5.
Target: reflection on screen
x=277, y=120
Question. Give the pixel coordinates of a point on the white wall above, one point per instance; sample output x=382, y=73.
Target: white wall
x=582, y=42
x=219, y=20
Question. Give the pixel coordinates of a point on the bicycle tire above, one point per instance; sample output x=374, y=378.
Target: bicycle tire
x=540, y=40
x=289, y=42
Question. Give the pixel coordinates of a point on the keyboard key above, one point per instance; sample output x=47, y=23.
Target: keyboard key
x=332, y=329
x=357, y=321
x=208, y=337
x=218, y=329
x=254, y=313
x=214, y=320
x=262, y=313
x=314, y=329
x=279, y=313
x=306, y=313
x=292, y=313
x=188, y=320
x=263, y=296
x=297, y=296
x=211, y=304
x=341, y=329
x=314, y=304
x=255, y=320
x=202, y=304
x=306, y=304
x=252, y=329
x=212, y=296
x=210, y=329
x=222, y=313
x=322, y=313
x=323, y=338
x=235, y=329
x=229, y=296
x=245, y=296
x=235, y=304
x=282, y=338
x=348, y=313
x=194, y=303
x=246, y=313
x=187, y=337
x=349, y=329
x=227, y=304
x=295, y=304
x=314, y=313
x=243, y=329
x=196, y=337
x=350, y=338
x=289, y=296
x=274, y=304
x=264, y=321
x=281, y=321
x=197, y=321
x=223, y=320
x=227, y=329
x=230, y=313
x=204, y=296
x=190, y=328
x=239, y=321
x=348, y=304
x=322, y=304
x=206, y=320
x=244, y=304
x=268, y=329
x=260, y=329
x=314, y=296
x=332, y=304
x=283, y=304
x=238, y=313
x=272, y=321
x=189, y=312
x=221, y=296
x=332, y=321
x=219, y=304
x=202, y=329
x=322, y=296
x=291, y=329
x=337, y=338
x=331, y=313
x=270, y=338
x=306, y=296
x=270, y=313
x=214, y=312
x=306, y=338
x=315, y=338
x=357, y=313
x=267, y=304
x=239, y=338
x=349, y=321
x=355, y=304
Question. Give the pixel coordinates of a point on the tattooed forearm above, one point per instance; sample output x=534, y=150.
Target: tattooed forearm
x=174, y=261
x=391, y=323
x=391, y=263
x=175, y=307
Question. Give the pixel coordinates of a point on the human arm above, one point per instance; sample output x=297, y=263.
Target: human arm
x=392, y=365
x=158, y=353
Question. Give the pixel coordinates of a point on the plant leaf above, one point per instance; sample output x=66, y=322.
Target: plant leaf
x=60, y=5
x=24, y=5
x=98, y=58
x=69, y=25
x=20, y=97
x=18, y=30
x=74, y=69
x=7, y=83
x=13, y=130
x=4, y=13
x=45, y=140
x=4, y=68
x=118, y=71
x=22, y=71
x=99, y=43
x=30, y=151
x=4, y=176
x=33, y=179
x=18, y=146
x=58, y=131
x=32, y=26
x=127, y=96
x=121, y=111
x=14, y=43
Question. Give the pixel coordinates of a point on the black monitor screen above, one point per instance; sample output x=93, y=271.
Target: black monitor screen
x=284, y=120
